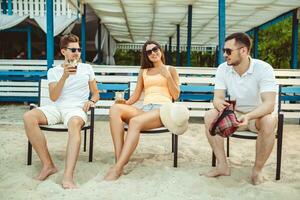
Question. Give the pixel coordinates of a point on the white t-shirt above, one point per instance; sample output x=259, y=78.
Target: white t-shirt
x=246, y=89
x=76, y=89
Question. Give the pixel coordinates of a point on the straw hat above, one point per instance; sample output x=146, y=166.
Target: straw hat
x=174, y=117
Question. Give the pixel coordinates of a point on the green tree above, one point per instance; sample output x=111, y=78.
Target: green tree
x=275, y=43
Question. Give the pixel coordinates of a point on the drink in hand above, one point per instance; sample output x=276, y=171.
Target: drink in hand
x=233, y=102
x=119, y=97
x=73, y=67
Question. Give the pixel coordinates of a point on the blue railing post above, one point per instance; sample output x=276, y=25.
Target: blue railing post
x=294, y=59
x=255, y=44
x=222, y=29
x=178, y=46
x=83, y=35
x=189, y=35
x=50, y=34
x=29, y=51
x=9, y=9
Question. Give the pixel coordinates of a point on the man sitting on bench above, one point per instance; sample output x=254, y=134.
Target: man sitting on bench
x=252, y=83
x=70, y=85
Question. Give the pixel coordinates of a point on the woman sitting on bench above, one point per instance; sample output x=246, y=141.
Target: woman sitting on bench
x=160, y=84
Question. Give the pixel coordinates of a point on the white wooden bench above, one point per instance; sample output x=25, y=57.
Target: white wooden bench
x=19, y=79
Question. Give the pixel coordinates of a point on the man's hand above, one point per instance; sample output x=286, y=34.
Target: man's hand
x=220, y=104
x=87, y=105
x=244, y=120
x=164, y=72
x=68, y=70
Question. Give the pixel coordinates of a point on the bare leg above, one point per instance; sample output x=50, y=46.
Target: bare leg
x=73, y=147
x=144, y=121
x=117, y=114
x=217, y=144
x=32, y=119
x=264, y=145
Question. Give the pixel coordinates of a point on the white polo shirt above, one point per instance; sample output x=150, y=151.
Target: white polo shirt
x=246, y=89
x=76, y=89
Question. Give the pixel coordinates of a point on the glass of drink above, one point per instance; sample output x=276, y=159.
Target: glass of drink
x=73, y=64
x=119, y=97
x=232, y=101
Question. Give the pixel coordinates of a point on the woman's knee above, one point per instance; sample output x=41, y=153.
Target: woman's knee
x=115, y=111
x=135, y=123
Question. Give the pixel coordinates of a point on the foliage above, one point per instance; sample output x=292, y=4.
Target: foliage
x=275, y=44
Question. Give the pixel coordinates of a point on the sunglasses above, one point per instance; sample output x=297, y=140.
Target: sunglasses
x=73, y=50
x=229, y=51
x=154, y=49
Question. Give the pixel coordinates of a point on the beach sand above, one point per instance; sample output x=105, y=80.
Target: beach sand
x=149, y=174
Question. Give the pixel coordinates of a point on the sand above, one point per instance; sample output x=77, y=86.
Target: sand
x=149, y=174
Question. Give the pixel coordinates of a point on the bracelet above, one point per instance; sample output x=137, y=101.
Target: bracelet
x=92, y=101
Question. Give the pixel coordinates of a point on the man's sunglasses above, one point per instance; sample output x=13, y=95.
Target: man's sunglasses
x=229, y=51
x=73, y=50
x=154, y=49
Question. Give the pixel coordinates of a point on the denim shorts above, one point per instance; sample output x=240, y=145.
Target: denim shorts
x=150, y=107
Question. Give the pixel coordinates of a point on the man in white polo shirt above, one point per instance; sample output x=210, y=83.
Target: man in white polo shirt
x=70, y=85
x=251, y=82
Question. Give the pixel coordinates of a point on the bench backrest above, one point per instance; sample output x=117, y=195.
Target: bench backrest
x=44, y=96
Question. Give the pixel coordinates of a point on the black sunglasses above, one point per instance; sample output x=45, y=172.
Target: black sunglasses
x=154, y=49
x=74, y=49
x=229, y=51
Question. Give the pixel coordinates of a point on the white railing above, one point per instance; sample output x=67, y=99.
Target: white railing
x=38, y=8
x=197, y=48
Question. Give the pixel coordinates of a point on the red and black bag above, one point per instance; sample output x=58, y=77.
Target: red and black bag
x=225, y=123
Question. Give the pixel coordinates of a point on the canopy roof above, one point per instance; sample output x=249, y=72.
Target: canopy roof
x=136, y=21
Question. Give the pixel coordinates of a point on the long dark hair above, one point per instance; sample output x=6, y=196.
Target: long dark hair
x=145, y=62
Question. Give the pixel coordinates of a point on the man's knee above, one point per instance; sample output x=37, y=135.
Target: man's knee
x=75, y=123
x=210, y=116
x=30, y=118
x=267, y=124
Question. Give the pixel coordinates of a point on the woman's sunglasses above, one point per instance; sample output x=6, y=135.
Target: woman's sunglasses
x=73, y=50
x=154, y=49
x=229, y=51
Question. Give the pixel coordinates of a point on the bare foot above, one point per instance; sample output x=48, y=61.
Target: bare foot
x=45, y=172
x=113, y=174
x=225, y=171
x=68, y=183
x=256, y=177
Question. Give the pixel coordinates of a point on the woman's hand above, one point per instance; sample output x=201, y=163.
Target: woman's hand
x=164, y=72
x=120, y=101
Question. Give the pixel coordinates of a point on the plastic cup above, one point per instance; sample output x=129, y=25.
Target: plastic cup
x=232, y=101
x=119, y=97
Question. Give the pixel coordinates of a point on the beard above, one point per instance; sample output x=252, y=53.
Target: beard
x=236, y=62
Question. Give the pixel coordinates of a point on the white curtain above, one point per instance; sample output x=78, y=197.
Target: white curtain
x=113, y=48
x=8, y=21
x=60, y=23
x=110, y=60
